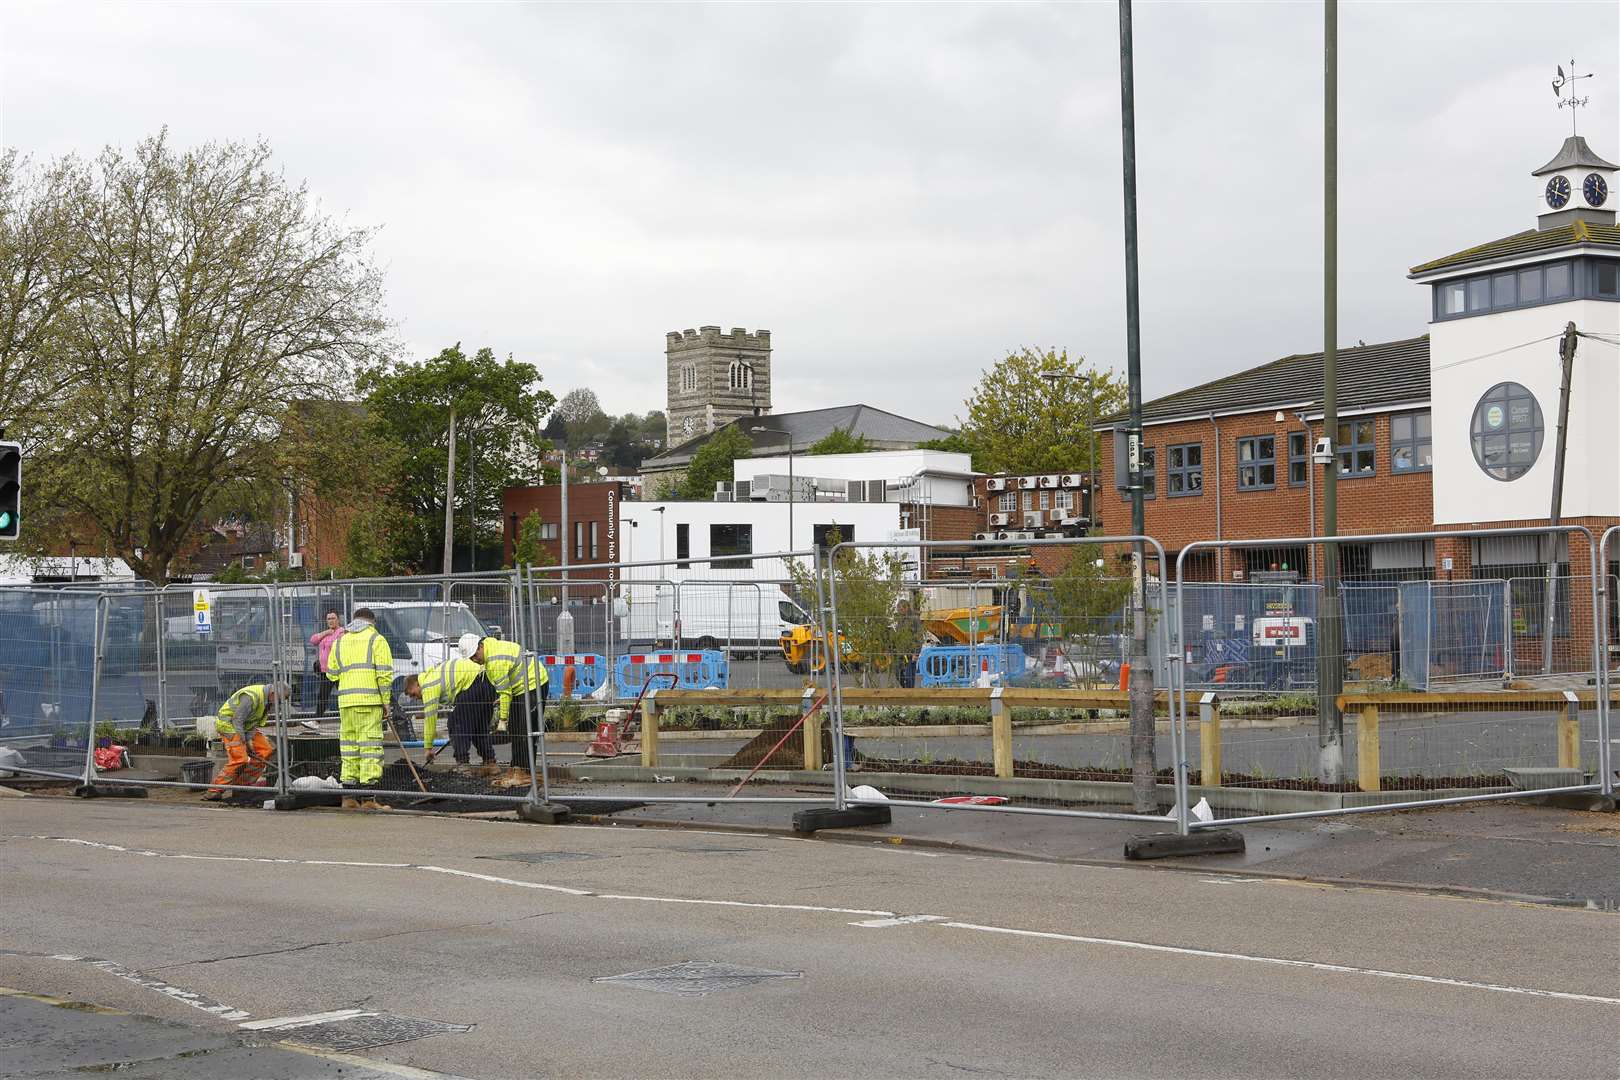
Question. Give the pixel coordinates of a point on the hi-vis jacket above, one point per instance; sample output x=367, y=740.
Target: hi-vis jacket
x=511, y=672
x=441, y=685
x=363, y=667
x=244, y=710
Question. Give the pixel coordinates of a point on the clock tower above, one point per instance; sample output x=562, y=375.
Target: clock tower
x=1576, y=185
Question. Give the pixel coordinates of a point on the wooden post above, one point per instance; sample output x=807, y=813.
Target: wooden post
x=812, y=731
x=649, y=730
x=1209, y=740
x=1367, y=750
x=1569, y=732
x=1001, y=749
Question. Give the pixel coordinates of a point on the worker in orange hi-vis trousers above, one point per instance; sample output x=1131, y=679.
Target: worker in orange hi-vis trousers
x=240, y=726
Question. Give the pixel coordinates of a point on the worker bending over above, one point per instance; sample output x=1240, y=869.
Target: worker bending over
x=363, y=668
x=240, y=726
x=514, y=674
x=462, y=685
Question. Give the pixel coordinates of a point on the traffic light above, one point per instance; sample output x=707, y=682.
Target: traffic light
x=10, y=490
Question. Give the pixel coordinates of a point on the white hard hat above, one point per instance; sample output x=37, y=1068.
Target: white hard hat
x=468, y=645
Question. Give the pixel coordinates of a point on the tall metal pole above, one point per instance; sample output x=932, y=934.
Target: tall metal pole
x=1329, y=669
x=450, y=498
x=1566, y=356
x=564, y=628
x=1143, y=794
x=792, y=493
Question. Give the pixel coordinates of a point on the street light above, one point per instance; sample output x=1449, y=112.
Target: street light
x=1091, y=426
x=792, y=490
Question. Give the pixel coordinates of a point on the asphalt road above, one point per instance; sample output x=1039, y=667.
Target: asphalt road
x=215, y=918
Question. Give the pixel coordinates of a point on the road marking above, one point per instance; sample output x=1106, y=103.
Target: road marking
x=1312, y=965
x=287, y=1023
x=742, y=904
x=900, y=920
x=187, y=997
x=493, y=880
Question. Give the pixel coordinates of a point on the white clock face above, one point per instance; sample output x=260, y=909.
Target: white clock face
x=688, y=425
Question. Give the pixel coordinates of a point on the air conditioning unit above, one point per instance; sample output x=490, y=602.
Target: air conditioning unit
x=744, y=489
x=1071, y=522
x=996, y=483
x=1049, y=481
x=1029, y=483
x=1055, y=515
x=1072, y=480
x=856, y=490
x=1051, y=536
x=1022, y=536
x=723, y=496
x=1034, y=519
x=722, y=487
x=295, y=561
x=999, y=519
x=984, y=536
x=1004, y=536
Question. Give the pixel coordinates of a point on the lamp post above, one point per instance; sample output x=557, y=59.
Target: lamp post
x=792, y=489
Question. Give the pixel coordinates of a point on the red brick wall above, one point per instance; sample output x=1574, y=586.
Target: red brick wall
x=587, y=503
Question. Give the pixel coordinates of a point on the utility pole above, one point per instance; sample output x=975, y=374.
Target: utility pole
x=565, y=618
x=450, y=498
x=1329, y=628
x=1144, y=796
x=1566, y=354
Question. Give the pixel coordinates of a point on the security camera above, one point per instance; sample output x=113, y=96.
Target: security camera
x=1323, y=455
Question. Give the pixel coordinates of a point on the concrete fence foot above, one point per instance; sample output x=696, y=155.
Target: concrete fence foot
x=1577, y=800
x=302, y=800
x=1172, y=845
x=828, y=817
x=109, y=791
x=539, y=813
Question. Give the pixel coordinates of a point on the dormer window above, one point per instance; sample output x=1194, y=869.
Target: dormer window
x=1527, y=286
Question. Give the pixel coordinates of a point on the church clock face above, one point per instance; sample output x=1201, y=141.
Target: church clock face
x=1595, y=189
x=688, y=426
x=1558, y=192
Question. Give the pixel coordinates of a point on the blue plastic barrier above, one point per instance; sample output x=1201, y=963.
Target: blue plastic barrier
x=962, y=665
x=705, y=670
x=590, y=672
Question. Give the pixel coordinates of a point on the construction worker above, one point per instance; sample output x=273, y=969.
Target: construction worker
x=464, y=686
x=240, y=726
x=514, y=674
x=363, y=668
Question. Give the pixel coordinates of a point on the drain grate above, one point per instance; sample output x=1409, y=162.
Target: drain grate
x=694, y=978
x=548, y=856
x=370, y=1029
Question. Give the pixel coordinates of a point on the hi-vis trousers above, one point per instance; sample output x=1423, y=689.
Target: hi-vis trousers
x=360, y=743
x=245, y=759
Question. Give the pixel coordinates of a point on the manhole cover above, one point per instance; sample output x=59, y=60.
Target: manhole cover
x=370, y=1029
x=548, y=856
x=697, y=977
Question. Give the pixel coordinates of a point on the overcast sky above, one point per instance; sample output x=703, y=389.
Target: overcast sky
x=900, y=193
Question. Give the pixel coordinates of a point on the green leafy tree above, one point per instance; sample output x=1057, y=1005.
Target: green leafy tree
x=871, y=583
x=1020, y=421
x=713, y=463
x=499, y=407
x=1082, y=600
x=379, y=542
x=529, y=551
x=839, y=441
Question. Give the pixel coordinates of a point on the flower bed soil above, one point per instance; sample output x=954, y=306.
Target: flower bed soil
x=1034, y=770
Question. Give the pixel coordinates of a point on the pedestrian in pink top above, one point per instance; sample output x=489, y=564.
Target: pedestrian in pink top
x=323, y=640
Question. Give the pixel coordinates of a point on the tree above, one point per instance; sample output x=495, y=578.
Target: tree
x=498, y=412
x=529, y=551
x=581, y=416
x=206, y=295
x=870, y=586
x=839, y=441
x=713, y=463
x=1019, y=422
x=1085, y=603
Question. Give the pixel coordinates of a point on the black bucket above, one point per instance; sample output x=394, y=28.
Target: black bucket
x=200, y=771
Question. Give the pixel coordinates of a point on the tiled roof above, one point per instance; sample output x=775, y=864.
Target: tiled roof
x=883, y=429
x=1529, y=242
x=1394, y=373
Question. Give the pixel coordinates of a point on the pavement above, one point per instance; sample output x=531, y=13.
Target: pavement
x=487, y=948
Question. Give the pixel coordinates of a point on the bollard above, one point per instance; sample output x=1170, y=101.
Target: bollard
x=1001, y=749
x=649, y=730
x=1569, y=732
x=811, y=732
x=1209, y=740
x=1367, y=755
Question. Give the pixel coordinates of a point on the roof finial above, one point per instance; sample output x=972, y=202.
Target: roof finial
x=1574, y=102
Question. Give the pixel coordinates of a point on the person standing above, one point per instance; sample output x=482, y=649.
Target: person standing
x=513, y=674
x=323, y=640
x=362, y=666
x=910, y=629
x=241, y=728
x=464, y=687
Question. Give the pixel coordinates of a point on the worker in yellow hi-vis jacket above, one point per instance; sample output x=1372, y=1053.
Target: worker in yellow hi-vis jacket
x=241, y=728
x=464, y=687
x=363, y=668
x=515, y=675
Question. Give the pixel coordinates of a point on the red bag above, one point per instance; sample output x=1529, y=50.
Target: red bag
x=111, y=758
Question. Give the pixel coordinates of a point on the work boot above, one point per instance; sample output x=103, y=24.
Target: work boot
x=370, y=802
x=350, y=802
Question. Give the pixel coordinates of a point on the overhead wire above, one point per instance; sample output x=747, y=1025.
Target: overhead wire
x=1498, y=352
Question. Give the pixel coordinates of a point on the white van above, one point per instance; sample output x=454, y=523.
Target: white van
x=743, y=620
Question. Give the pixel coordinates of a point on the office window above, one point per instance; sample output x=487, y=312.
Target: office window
x=1504, y=290
x=1530, y=285
x=1558, y=281
x=1063, y=500
x=1046, y=499
x=593, y=541
x=1479, y=294
x=1606, y=278
x=1007, y=502
x=549, y=530
x=1356, y=454
x=683, y=543
x=1150, y=473
x=1454, y=298
x=731, y=540
x=828, y=535
x=1257, y=462
x=1184, y=470
x=579, y=540
x=1029, y=500
x=1299, y=458
x=1411, y=446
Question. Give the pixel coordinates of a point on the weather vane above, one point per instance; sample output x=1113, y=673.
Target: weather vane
x=1573, y=102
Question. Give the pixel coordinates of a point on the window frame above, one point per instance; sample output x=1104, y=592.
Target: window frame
x=1301, y=458
x=1580, y=274
x=1183, y=472
x=738, y=555
x=683, y=544
x=1256, y=462
x=1413, y=442
x=1347, y=451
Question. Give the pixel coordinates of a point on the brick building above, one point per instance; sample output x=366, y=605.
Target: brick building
x=593, y=519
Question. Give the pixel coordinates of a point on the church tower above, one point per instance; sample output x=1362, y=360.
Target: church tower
x=713, y=379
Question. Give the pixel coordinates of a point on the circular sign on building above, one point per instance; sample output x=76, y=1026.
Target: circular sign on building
x=1507, y=431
